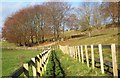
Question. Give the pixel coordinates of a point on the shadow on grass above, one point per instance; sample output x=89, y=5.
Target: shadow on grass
x=58, y=62
x=55, y=61
x=97, y=35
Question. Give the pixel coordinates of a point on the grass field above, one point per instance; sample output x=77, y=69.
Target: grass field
x=101, y=36
x=63, y=65
x=12, y=59
x=98, y=36
x=7, y=44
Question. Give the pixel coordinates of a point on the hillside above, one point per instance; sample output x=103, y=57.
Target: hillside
x=98, y=36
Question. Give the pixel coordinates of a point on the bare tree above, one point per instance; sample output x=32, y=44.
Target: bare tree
x=111, y=9
x=84, y=12
x=57, y=12
x=72, y=22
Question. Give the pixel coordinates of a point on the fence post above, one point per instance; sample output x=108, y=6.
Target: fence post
x=79, y=54
x=101, y=58
x=66, y=48
x=70, y=51
x=114, y=60
x=38, y=65
x=45, y=62
x=26, y=72
x=76, y=52
x=33, y=67
x=73, y=52
x=86, y=53
x=92, y=54
x=47, y=57
x=82, y=54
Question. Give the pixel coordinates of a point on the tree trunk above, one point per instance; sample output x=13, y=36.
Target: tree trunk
x=57, y=34
x=32, y=39
x=42, y=39
x=36, y=39
x=54, y=34
x=119, y=12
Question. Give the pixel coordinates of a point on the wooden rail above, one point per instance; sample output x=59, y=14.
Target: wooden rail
x=37, y=64
x=81, y=52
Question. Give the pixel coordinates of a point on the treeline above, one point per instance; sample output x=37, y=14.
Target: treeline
x=47, y=21
x=35, y=23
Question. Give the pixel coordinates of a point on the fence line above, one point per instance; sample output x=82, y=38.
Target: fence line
x=38, y=65
x=79, y=54
x=26, y=48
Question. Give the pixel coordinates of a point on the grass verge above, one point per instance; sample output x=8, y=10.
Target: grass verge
x=13, y=59
x=70, y=66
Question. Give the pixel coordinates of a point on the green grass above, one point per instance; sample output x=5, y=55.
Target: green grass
x=54, y=67
x=71, y=32
x=7, y=44
x=103, y=36
x=98, y=36
x=13, y=59
x=72, y=67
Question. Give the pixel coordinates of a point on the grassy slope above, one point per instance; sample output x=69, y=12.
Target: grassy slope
x=12, y=59
x=101, y=36
x=72, y=67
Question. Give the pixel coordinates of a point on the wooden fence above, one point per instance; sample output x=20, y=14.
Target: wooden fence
x=81, y=53
x=37, y=64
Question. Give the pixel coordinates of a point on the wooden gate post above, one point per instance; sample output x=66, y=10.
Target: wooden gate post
x=82, y=54
x=114, y=60
x=86, y=53
x=101, y=58
x=92, y=55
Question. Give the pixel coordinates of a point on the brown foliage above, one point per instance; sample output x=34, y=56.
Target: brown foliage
x=32, y=24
